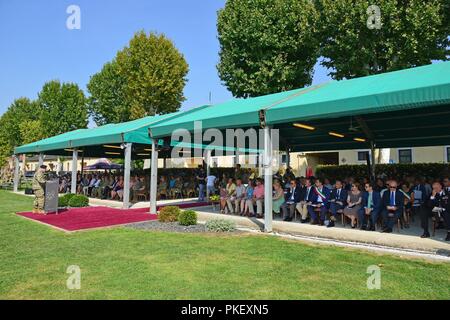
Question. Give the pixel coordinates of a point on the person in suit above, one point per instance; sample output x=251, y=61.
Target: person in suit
x=370, y=210
x=439, y=205
x=291, y=201
x=338, y=201
x=320, y=199
x=392, y=206
x=306, y=198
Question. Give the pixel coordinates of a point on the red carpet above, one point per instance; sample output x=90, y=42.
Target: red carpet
x=74, y=219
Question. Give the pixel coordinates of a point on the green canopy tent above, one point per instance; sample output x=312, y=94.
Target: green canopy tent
x=128, y=140
x=403, y=108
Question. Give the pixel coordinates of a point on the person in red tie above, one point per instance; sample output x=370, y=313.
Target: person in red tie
x=392, y=206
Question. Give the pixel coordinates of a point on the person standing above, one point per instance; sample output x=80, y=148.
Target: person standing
x=201, y=177
x=38, y=186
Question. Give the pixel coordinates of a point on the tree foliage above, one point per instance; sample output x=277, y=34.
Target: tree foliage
x=155, y=74
x=19, y=125
x=108, y=102
x=412, y=33
x=267, y=46
x=147, y=77
x=64, y=107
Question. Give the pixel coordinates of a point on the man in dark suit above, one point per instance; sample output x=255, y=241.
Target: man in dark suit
x=292, y=198
x=371, y=204
x=320, y=199
x=392, y=206
x=439, y=205
x=306, y=196
x=338, y=201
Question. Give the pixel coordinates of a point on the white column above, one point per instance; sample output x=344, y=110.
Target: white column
x=267, y=180
x=16, y=172
x=153, y=178
x=40, y=159
x=73, y=187
x=126, y=176
x=208, y=170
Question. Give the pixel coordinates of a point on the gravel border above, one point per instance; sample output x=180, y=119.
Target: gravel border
x=172, y=227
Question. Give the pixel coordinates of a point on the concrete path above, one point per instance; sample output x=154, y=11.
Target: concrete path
x=395, y=240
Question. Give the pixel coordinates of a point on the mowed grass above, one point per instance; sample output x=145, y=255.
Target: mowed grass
x=123, y=263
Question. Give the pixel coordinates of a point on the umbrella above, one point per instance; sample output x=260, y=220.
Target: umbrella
x=103, y=164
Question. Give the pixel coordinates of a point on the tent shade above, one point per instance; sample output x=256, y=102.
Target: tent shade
x=135, y=131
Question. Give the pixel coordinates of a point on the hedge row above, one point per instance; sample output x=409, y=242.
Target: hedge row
x=427, y=170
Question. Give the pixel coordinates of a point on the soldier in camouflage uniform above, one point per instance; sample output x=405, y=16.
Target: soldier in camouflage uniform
x=38, y=186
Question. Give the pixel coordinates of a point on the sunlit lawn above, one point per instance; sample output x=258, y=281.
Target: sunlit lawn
x=124, y=263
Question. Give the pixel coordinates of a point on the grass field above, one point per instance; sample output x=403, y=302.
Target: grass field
x=124, y=263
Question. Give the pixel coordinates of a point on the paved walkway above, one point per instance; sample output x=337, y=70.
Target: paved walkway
x=405, y=238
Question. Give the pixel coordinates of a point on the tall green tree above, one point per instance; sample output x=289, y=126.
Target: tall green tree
x=20, y=124
x=147, y=77
x=411, y=33
x=64, y=107
x=155, y=74
x=108, y=102
x=267, y=46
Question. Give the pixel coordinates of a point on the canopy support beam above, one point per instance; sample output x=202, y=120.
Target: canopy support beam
x=267, y=165
x=126, y=176
x=16, y=173
x=153, y=178
x=73, y=186
x=40, y=159
x=208, y=171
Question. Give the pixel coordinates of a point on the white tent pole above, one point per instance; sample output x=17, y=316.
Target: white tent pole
x=267, y=180
x=16, y=173
x=40, y=159
x=73, y=187
x=126, y=176
x=153, y=178
x=208, y=170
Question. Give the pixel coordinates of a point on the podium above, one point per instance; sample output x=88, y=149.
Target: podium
x=51, y=196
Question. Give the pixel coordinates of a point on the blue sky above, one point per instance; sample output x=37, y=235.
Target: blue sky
x=36, y=46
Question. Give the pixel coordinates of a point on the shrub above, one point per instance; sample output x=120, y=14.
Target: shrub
x=220, y=225
x=397, y=170
x=78, y=200
x=64, y=200
x=188, y=218
x=169, y=214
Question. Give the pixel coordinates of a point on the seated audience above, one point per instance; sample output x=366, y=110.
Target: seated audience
x=306, y=199
x=292, y=198
x=392, y=206
x=370, y=210
x=278, y=197
x=439, y=207
x=257, y=199
x=236, y=197
x=319, y=203
x=338, y=201
x=354, y=200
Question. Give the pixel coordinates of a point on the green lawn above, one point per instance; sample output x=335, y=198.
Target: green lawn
x=131, y=264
